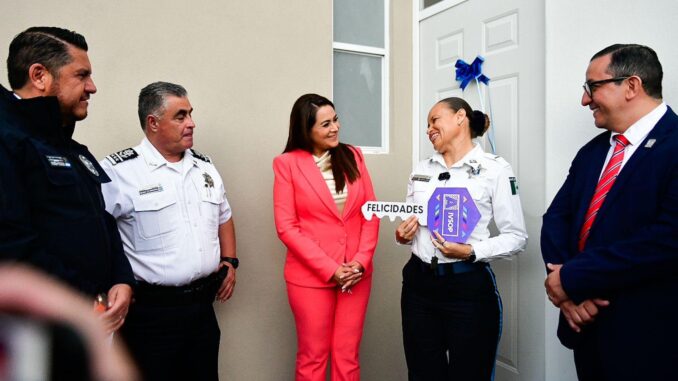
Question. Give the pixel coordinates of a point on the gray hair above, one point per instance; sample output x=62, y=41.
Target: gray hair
x=153, y=99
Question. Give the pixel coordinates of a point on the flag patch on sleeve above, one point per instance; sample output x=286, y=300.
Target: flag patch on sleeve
x=514, y=185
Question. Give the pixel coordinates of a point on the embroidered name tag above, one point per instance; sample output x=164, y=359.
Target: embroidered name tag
x=150, y=189
x=423, y=178
x=58, y=161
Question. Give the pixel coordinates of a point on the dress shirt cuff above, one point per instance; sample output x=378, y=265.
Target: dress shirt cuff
x=409, y=243
x=483, y=250
x=566, y=281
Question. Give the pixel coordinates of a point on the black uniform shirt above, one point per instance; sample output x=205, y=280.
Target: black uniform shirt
x=51, y=208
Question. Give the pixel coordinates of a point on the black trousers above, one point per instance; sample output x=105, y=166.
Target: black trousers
x=173, y=342
x=621, y=357
x=451, y=323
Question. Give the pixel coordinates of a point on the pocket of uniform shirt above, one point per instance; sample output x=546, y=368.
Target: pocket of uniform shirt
x=477, y=192
x=209, y=208
x=156, y=213
x=61, y=177
x=421, y=192
x=420, y=186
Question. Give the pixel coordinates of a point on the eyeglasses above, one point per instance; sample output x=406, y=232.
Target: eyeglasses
x=590, y=86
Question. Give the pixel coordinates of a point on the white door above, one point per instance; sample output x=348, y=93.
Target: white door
x=510, y=35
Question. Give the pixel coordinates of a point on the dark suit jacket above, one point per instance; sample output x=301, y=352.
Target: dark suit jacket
x=631, y=255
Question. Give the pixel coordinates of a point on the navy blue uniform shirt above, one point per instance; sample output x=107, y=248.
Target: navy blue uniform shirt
x=51, y=208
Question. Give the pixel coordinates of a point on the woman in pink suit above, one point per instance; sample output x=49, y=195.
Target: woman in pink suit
x=320, y=186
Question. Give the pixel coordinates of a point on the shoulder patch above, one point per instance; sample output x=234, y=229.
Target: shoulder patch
x=514, y=185
x=200, y=156
x=120, y=156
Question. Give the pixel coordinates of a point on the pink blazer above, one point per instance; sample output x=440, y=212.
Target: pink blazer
x=307, y=220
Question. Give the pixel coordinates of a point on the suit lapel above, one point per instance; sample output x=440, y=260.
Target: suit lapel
x=311, y=173
x=636, y=162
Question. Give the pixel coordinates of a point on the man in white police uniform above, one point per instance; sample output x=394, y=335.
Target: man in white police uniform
x=177, y=230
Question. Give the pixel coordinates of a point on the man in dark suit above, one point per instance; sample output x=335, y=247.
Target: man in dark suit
x=610, y=236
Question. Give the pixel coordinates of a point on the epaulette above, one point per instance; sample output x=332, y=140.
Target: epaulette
x=200, y=156
x=120, y=156
x=491, y=156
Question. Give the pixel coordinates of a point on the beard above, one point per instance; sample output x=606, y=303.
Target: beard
x=70, y=109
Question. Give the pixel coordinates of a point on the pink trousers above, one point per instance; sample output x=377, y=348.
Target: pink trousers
x=329, y=324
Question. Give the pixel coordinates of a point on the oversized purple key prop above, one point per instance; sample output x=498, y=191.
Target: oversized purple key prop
x=452, y=213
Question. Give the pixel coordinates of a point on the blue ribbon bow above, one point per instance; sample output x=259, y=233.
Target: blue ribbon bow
x=466, y=73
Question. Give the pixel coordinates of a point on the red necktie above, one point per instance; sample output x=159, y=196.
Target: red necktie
x=604, y=185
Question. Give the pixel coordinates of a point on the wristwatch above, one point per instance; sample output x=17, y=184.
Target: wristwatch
x=472, y=256
x=233, y=261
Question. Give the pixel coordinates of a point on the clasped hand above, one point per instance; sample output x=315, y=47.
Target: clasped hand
x=577, y=315
x=348, y=274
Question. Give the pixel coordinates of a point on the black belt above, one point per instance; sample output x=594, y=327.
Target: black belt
x=446, y=269
x=203, y=290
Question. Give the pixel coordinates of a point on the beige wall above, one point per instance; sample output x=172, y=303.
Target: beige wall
x=243, y=63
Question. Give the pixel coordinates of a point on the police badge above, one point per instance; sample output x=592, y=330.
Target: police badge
x=475, y=168
x=88, y=164
x=209, y=182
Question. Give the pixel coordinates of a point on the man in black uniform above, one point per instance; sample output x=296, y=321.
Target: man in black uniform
x=51, y=208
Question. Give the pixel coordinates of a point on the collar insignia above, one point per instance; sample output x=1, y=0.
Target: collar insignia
x=200, y=156
x=120, y=156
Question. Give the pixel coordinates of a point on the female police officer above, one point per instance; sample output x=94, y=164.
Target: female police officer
x=449, y=299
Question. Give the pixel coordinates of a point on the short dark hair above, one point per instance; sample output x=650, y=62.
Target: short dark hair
x=302, y=119
x=633, y=59
x=478, y=120
x=152, y=99
x=40, y=44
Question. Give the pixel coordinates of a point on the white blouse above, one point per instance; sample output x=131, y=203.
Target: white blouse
x=324, y=163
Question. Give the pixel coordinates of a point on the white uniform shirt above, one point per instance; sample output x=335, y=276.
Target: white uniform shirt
x=494, y=189
x=168, y=214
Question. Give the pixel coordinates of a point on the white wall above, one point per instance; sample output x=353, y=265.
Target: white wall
x=575, y=30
